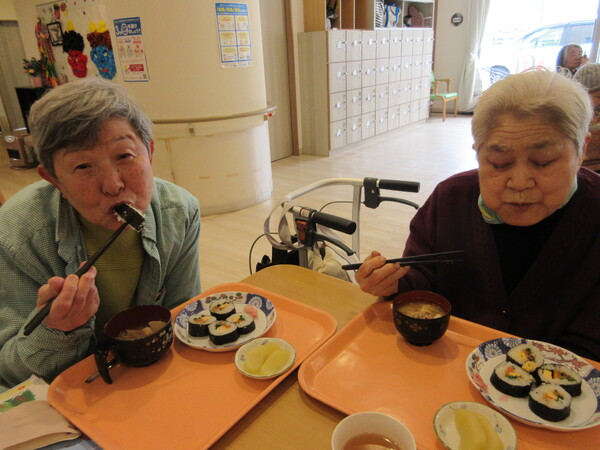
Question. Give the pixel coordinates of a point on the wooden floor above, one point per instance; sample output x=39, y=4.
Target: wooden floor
x=426, y=152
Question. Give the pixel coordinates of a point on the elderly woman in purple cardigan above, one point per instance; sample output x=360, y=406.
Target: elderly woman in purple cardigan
x=528, y=220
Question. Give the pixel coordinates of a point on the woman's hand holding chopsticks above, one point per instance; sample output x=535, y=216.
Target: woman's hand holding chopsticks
x=75, y=300
x=378, y=277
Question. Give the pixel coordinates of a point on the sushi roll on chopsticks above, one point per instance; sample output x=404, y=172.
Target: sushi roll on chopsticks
x=550, y=402
x=560, y=375
x=198, y=324
x=528, y=357
x=511, y=380
x=222, y=309
x=223, y=332
x=243, y=321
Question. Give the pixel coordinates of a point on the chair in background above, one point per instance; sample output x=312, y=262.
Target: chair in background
x=443, y=96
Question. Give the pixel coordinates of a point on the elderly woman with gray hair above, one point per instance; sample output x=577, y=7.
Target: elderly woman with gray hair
x=95, y=148
x=528, y=220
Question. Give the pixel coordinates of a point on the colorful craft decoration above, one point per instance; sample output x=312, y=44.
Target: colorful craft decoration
x=73, y=46
x=102, y=52
x=48, y=71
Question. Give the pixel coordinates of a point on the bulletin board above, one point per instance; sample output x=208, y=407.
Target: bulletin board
x=75, y=37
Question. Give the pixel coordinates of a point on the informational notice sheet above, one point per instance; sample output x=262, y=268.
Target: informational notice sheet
x=130, y=45
x=233, y=25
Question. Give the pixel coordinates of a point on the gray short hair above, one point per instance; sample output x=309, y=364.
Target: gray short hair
x=71, y=115
x=549, y=96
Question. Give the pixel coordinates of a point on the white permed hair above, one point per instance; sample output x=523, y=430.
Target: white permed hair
x=549, y=96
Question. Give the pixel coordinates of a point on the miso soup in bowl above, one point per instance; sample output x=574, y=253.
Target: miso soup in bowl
x=421, y=317
x=372, y=430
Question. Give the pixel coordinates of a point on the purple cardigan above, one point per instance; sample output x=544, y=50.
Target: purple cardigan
x=557, y=301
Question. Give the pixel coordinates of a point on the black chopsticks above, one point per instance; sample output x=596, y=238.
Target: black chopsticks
x=42, y=313
x=430, y=258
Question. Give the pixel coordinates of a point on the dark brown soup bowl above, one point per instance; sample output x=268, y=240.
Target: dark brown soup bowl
x=141, y=351
x=419, y=331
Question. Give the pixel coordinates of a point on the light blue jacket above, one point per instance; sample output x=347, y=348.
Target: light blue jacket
x=40, y=238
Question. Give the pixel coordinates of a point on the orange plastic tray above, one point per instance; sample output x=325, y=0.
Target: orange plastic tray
x=188, y=398
x=367, y=366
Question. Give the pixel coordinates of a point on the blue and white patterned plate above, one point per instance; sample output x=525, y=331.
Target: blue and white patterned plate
x=447, y=432
x=256, y=305
x=585, y=408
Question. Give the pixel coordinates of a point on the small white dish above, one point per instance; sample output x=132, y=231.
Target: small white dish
x=372, y=422
x=240, y=356
x=447, y=434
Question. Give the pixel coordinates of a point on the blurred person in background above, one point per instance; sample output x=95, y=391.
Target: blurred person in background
x=570, y=59
x=589, y=77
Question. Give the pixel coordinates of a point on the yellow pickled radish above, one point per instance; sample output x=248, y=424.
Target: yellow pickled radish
x=275, y=362
x=475, y=431
x=256, y=357
x=493, y=441
x=472, y=435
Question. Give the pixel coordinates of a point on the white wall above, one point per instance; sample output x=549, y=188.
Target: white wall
x=7, y=10
x=224, y=163
x=181, y=45
x=450, y=41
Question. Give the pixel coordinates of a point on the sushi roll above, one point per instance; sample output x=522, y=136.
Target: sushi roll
x=222, y=332
x=528, y=357
x=511, y=380
x=244, y=322
x=560, y=375
x=550, y=402
x=222, y=309
x=198, y=324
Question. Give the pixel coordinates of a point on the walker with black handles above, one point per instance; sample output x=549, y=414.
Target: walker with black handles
x=309, y=226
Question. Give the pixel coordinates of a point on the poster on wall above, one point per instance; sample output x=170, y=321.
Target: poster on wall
x=233, y=26
x=130, y=45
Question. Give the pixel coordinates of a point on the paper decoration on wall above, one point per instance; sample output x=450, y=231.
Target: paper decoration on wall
x=73, y=46
x=46, y=54
x=102, y=52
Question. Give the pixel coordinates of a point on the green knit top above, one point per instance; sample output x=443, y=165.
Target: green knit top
x=118, y=270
